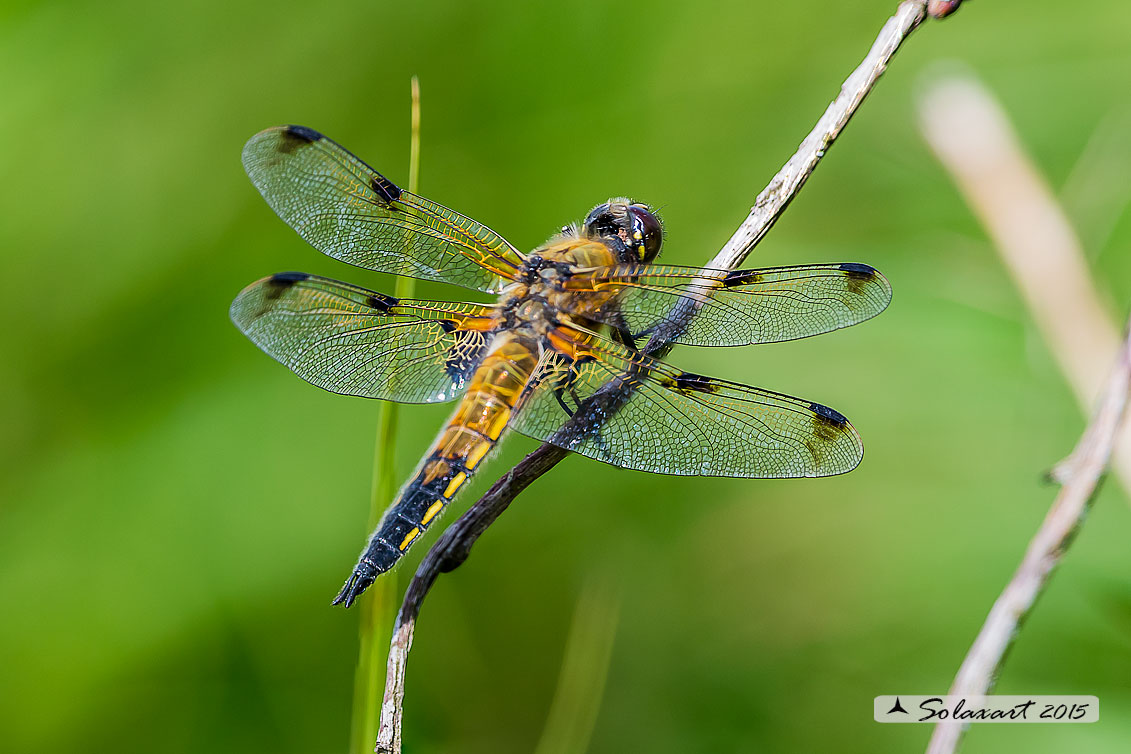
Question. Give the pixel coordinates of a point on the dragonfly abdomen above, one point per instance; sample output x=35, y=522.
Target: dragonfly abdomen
x=471, y=433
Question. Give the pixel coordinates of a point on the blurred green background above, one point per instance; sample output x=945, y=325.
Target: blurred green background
x=177, y=509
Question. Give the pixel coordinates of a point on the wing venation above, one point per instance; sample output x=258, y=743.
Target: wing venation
x=350, y=340
x=616, y=405
x=349, y=211
x=738, y=307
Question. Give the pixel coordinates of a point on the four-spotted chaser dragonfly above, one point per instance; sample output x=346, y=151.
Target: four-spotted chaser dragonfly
x=536, y=361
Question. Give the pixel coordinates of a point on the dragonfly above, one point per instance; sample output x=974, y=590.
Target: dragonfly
x=562, y=353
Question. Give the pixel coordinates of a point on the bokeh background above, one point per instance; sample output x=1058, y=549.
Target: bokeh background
x=177, y=510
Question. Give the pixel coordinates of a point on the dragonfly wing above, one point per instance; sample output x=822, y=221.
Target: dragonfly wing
x=354, y=341
x=738, y=307
x=607, y=402
x=349, y=211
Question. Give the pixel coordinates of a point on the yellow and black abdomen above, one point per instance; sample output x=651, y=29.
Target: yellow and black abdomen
x=469, y=436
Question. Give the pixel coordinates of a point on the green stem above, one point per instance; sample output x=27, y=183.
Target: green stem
x=379, y=606
x=585, y=667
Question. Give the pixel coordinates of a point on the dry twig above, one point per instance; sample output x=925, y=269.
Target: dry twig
x=1084, y=468
x=972, y=137
x=454, y=545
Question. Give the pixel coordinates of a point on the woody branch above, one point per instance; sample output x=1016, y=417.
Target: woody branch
x=1080, y=476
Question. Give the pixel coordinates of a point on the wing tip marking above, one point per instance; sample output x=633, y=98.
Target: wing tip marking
x=293, y=137
x=280, y=282
x=828, y=416
x=835, y=447
x=254, y=300
x=859, y=270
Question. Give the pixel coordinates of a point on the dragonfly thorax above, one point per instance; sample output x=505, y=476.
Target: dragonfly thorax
x=540, y=270
x=528, y=307
x=532, y=311
x=543, y=298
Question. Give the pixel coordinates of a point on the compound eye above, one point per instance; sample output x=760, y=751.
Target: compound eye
x=645, y=222
x=601, y=222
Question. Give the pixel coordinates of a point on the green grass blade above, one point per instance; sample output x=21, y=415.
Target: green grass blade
x=585, y=665
x=379, y=606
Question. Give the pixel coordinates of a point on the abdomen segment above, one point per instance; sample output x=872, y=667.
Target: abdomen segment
x=471, y=433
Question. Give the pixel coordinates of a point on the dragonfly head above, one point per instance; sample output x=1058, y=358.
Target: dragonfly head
x=633, y=225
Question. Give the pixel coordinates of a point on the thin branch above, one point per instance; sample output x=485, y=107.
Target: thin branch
x=1080, y=474
x=454, y=546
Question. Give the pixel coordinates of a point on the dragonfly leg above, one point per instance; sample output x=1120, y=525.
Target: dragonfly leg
x=559, y=393
x=621, y=332
x=598, y=438
x=567, y=385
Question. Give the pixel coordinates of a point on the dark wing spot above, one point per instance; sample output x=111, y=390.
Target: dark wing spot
x=280, y=282
x=381, y=302
x=859, y=275
x=448, y=326
x=829, y=415
x=688, y=382
x=294, y=137
x=829, y=421
x=385, y=188
x=859, y=271
x=289, y=278
x=741, y=277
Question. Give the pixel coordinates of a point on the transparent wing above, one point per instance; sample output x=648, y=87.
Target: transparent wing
x=353, y=341
x=738, y=307
x=604, y=401
x=349, y=211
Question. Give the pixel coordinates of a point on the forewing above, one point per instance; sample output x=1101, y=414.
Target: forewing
x=738, y=307
x=636, y=412
x=353, y=341
x=349, y=211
